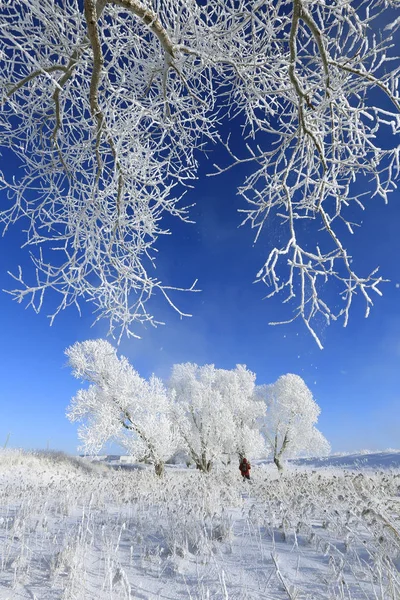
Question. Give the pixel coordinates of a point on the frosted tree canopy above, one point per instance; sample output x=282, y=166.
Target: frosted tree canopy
x=292, y=413
x=106, y=107
x=210, y=415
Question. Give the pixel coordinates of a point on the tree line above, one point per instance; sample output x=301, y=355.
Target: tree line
x=209, y=414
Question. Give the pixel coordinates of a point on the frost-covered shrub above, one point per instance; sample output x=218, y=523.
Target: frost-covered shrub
x=58, y=457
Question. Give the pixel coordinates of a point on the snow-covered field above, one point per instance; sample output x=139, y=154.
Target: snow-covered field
x=71, y=529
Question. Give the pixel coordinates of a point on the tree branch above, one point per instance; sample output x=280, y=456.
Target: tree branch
x=34, y=74
x=151, y=19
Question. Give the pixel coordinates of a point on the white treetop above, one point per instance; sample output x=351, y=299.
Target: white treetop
x=215, y=412
x=290, y=421
x=107, y=108
x=237, y=387
x=119, y=405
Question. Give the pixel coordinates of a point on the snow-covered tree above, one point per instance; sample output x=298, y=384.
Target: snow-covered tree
x=119, y=405
x=106, y=103
x=215, y=412
x=289, y=426
x=200, y=413
x=237, y=388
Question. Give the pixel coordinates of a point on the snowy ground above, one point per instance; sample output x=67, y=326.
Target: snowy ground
x=73, y=530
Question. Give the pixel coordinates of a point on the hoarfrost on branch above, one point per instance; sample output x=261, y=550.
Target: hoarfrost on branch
x=108, y=109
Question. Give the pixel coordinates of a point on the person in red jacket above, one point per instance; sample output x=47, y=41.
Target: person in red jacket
x=244, y=468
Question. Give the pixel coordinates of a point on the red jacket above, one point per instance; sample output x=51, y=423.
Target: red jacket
x=244, y=467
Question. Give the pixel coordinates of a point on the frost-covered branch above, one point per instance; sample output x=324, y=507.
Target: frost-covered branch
x=107, y=109
x=103, y=159
x=319, y=101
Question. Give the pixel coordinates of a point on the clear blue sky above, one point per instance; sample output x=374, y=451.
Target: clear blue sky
x=355, y=379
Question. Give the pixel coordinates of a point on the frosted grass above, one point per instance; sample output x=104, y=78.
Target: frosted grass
x=70, y=529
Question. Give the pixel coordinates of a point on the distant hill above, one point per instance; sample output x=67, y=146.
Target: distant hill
x=364, y=460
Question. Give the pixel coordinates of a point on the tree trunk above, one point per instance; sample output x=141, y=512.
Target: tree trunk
x=278, y=463
x=159, y=469
x=203, y=464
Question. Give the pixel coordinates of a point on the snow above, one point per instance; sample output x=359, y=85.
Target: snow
x=75, y=529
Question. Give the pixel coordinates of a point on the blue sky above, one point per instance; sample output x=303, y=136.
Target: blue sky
x=355, y=379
